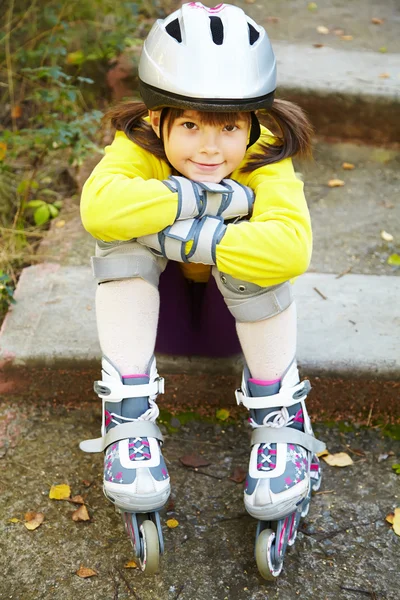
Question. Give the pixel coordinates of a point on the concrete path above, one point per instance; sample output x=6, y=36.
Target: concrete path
x=345, y=549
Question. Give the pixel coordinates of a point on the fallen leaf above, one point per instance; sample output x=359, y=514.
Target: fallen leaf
x=81, y=514
x=394, y=260
x=383, y=49
x=238, y=475
x=338, y=31
x=222, y=414
x=194, y=461
x=130, y=565
x=14, y=520
x=384, y=76
x=172, y=523
x=346, y=38
x=272, y=19
x=318, y=45
x=396, y=469
x=335, y=183
x=340, y=459
x=16, y=112
x=77, y=500
x=312, y=6
x=323, y=453
x=386, y=236
x=390, y=518
x=85, y=572
x=396, y=521
x=60, y=223
x=86, y=483
x=322, y=29
x=376, y=21
x=34, y=521
x=348, y=166
x=60, y=492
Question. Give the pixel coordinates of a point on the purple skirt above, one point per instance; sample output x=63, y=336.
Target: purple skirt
x=194, y=319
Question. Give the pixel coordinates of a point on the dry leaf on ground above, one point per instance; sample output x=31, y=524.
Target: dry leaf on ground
x=323, y=453
x=81, y=514
x=238, y=475
x=222, y=414
x=194, y=460
x=14, y=520
x=85, y=572
x=346, y=38
x=322, y=29
x=384, y=76
x=394, y=520
x=376, y=21
x=386, y=236
x=60, y=223
x=130, y=565
x=60, y=492
x=335, y=183
x=340, y=459
x=33, y=520
x=348, y=166
x=77, y=500
x=172, y=523
x=338, y=31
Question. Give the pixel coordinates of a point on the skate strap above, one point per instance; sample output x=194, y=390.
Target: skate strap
x=115, y=391
x=133, y=429
x=286, y=435
x=285, y=397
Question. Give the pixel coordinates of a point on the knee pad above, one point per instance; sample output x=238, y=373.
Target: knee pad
x=249, y=302
x=126, y=261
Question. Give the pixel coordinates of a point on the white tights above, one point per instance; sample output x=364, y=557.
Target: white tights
x=127, y=318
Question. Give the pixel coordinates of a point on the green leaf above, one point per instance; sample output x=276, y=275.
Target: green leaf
x=222, y=414
x=35, y=203
x=42, y=214
x=394, y=260
x=53, y=210
x=58, y=204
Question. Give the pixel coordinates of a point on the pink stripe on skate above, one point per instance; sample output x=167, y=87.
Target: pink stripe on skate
x=135, y=375
x=264, y=381
x=281, y=537
x=314, y=468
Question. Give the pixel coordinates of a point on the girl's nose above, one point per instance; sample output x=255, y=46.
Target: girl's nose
x=209, y=142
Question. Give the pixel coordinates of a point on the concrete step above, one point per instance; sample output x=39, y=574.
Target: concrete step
x=348, y=326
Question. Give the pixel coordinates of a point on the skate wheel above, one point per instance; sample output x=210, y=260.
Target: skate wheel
x=264, y=548
x=150, y=559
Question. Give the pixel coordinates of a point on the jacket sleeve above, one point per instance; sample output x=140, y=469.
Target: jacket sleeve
x=124, y=197
x=275, y=244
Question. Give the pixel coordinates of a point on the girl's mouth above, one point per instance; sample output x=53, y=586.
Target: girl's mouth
x=206, y=166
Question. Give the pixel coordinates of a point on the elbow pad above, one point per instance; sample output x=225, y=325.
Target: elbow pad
x=192, y=240
x=228, y=199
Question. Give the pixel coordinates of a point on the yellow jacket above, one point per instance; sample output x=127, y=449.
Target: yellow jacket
x=125, y=198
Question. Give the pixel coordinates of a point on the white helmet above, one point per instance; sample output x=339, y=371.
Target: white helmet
x=215, y=59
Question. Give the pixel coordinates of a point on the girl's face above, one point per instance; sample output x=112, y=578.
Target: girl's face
x=201, y=150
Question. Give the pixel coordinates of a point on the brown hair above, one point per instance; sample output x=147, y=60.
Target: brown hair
x=288, y=122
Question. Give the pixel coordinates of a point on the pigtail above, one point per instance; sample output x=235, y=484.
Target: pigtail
x=128, y=117
x=292, y=131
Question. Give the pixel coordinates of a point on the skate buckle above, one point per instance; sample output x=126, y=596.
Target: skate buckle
x=160, y=381
x=239, y=396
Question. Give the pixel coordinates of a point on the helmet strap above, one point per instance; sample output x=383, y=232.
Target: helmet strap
x=255, y=130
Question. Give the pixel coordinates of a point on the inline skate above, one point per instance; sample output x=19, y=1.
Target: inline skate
x=284, y=468
x=136, y=479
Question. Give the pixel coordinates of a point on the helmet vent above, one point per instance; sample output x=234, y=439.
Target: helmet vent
x=174, y=30
x=253, y=34
x=217, y=30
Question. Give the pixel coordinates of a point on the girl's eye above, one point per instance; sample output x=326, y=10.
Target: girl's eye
x=189, y=125
x=230, y=127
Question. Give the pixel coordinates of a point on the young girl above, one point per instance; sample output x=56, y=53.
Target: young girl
x=192, y=177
